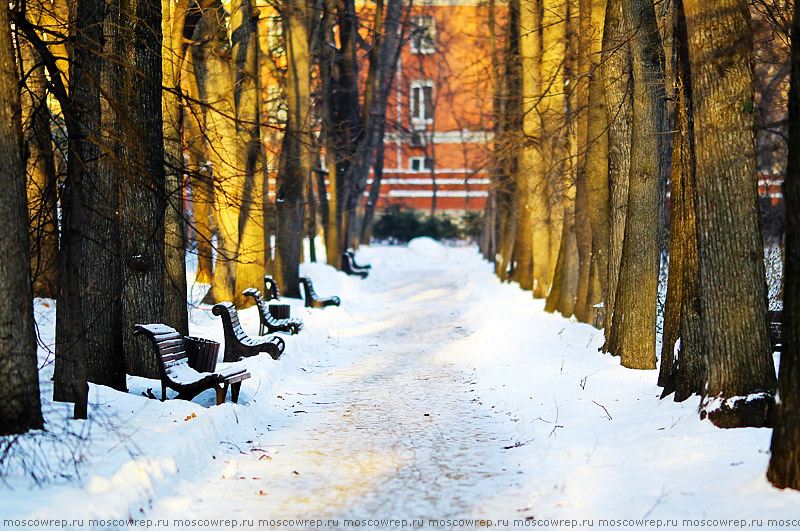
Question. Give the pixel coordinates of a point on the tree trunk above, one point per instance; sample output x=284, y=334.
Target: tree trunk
x=583, y=226
x=251, y=267
x=682, y=369
x=375, y=189
x=506, y=148
x=784, y=462
x=217, y=79
x=176, y=312
x=41, y=172
x=635, y=307
x=616, y=71
x=532, y=247
x=563, y=292
x=554, y=128
x=82, y=115
x=730, y=248
x=198, y=169
x=20, y=405
x=296, y=156
x=142, y=194
x=597, y=190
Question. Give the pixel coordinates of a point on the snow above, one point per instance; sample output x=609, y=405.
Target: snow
x=434, y=391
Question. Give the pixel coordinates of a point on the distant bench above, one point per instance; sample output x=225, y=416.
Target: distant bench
x=268, y=323
x=176, y=373
x=271, y=291
x=237, y=343
x=350, y=267
x=312, y=299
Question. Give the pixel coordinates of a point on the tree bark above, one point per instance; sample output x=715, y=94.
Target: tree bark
x=597, y=189
x=198, y=168
x=583, y=226
x=20, y=404
x=730, y=248
x=616, y=71
x=41, y=169
x=532, y=247
x=216, y=76
x=251, y=267
x=176, y=312
x=142, y=203
x=295, y=154
x=635, y=307
x=682, y=369
x=784, y=462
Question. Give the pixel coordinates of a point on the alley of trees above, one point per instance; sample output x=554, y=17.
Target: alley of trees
x=272, y=117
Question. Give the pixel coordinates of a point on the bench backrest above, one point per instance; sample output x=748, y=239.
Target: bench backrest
x=167, y=342
x=262, y=306
x=271, y=288
x=310, y=294
x=230, y=319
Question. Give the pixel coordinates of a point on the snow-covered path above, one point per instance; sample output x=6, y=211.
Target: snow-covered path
x=435, y=392
x=394, y=433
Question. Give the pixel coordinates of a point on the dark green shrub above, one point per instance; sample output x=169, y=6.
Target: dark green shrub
x=403, y=225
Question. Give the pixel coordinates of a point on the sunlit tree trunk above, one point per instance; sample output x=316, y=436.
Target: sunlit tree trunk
x=172, y=54
x=563, y=292
x=217, y=79
x=635, y=307
x=251, y=267
x=41, y=170
x=532, y=246
x=554, y=131
x=784, y=462
x=616, y=70
x=730, y=248
x=597, y=190
x=20, y=405
x=197, y=151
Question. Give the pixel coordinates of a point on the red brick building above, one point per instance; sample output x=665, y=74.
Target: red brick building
x=439, y=122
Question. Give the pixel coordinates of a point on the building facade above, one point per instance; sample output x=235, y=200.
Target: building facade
x=439, y=120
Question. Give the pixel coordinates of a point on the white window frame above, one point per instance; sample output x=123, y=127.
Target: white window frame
x=418, y=114
x=423, y=40
x=423, y=167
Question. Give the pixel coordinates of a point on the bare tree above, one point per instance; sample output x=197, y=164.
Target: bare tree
x=20, y=407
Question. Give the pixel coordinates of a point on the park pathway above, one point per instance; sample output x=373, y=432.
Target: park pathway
x=397, y=433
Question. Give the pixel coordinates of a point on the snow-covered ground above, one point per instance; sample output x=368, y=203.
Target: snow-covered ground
x=434, y=393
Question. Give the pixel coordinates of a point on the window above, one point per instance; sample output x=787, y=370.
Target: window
x=275, y=36
x=420, y=164
x=422, y=101
x=423, y=31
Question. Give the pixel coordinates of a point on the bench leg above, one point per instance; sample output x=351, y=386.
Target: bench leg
x=235, y=392
x=221, y=392
x=163, y=391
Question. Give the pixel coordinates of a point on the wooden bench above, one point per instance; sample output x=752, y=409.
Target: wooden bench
x=238, y=344
x=775, y=322
x=271, y=291
x=175, y=371
x=269, y=324
x=312, y=299
x=353, y=256
x=349, y=265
